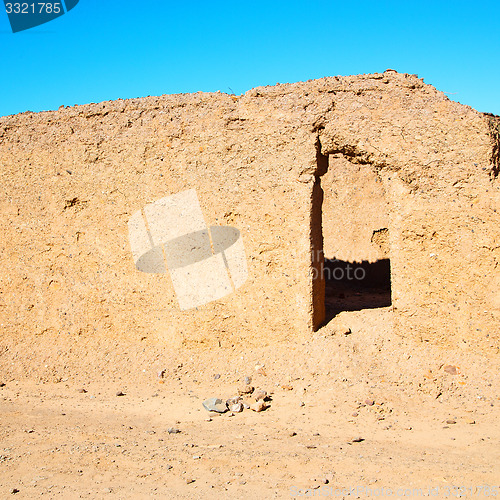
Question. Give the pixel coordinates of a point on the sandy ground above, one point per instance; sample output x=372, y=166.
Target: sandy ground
x=359, y=415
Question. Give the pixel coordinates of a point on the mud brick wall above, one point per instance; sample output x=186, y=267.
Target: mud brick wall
x=72, y=179
x=438, y=161
x=266, y=163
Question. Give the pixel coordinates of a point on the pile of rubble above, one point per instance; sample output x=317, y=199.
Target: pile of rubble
x=256, y=400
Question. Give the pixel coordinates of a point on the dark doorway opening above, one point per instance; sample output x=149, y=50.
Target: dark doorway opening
x=352, y=286
x=350, y=243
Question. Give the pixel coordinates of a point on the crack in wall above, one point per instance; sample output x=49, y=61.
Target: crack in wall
x=494, y=130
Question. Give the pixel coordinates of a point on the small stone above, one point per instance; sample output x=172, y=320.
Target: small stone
x=286, y=387
x=217, y=376
x=246, y=389
x=189, y=480
x=450, y=421
x=13, y=491
x=339, y=328
x=293, y=433
x=248, y=380
x=369, y=402
x=258, y=406
x=208, y=419
x=233, y=400
x=260, y=394
x=357, y=440
x=161, y=374
x=236, y=407
x=452, y=370
x=82, y=390
x=2, y=384
x=470, y=421
x=323, y=480
x=215, y=404
x=196, y=457
x=355, y=414
x=173, y=430
x=120, y=393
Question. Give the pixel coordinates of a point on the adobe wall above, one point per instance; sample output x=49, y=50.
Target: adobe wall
x=439, y=164
x=73, y=178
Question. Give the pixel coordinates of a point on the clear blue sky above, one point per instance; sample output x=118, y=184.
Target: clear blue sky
x=109, y=49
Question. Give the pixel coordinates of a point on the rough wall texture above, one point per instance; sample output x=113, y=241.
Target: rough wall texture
x=439, y=164
x=72, y=178
x=355, y=212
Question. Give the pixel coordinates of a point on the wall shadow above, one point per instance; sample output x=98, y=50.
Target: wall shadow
x=352, y=286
